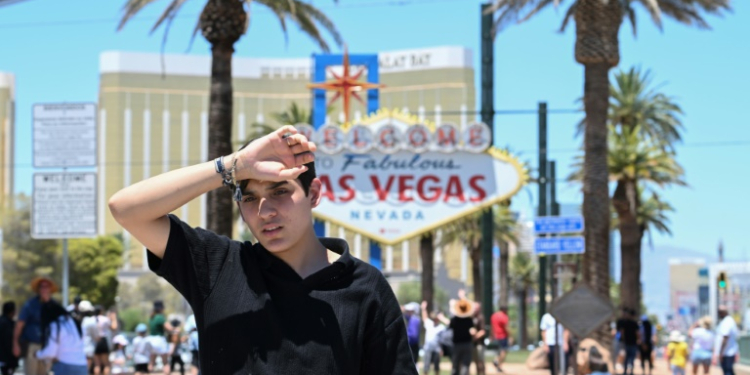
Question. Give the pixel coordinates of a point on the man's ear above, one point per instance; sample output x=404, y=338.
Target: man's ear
x=314, y=192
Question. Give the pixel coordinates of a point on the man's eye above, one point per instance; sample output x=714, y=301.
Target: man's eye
x=248, y=199
x=281, y=191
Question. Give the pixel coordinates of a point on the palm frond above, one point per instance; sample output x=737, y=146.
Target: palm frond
x=568, y=16
x=652, y=7
x=689, y=12
x=306, y=16
x=131, y=8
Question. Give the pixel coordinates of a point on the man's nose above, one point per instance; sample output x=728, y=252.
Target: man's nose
x=266, y=209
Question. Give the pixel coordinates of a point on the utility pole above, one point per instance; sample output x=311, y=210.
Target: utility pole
x=542, y=209
x=488, y=117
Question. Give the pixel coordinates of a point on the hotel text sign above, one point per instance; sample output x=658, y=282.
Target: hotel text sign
x=393, y=195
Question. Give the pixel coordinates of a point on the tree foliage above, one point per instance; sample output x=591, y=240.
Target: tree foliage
x=24, y=257
x=94, y=263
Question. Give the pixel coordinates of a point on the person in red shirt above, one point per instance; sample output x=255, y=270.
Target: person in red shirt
x=499, y=321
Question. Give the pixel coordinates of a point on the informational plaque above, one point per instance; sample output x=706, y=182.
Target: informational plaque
x=64, y=205
x=64, y=135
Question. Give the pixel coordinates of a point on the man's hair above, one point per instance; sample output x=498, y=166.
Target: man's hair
x=596, y=360
x=305, y=178
x=9, y=308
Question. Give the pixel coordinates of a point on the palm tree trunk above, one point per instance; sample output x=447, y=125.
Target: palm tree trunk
x=596, y=210
x=598, y=49
x=504, y=276
x=523, y=329
x=625, y=201
x=219, y=204
x=476, y=272
x=427, y=252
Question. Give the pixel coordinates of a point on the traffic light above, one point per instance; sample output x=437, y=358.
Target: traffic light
x=722, y=281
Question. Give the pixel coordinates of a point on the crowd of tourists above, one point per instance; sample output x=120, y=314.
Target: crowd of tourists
x=83, y=339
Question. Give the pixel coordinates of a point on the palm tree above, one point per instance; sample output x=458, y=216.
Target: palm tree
x=597, y=48
x=633, y=101
x=222, y=23
x=293, y=115
x=522, y=279
x=634, y=162
x=468, y=231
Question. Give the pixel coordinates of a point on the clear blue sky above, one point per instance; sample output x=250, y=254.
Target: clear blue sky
x=53, y=48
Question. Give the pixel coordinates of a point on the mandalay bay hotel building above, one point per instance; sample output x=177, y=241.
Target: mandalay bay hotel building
x=154, y=118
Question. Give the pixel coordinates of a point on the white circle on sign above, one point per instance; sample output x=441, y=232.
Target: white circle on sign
x=388, y=139
x=477, y=137
x=446, y=138
x=330, y=139
x=417, y=138
x=306, y=130
x=359, y=139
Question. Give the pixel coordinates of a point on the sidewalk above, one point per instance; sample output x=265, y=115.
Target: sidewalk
x=660, y=368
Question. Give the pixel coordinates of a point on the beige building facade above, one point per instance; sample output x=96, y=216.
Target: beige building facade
x=153, y=118
x=7, y=133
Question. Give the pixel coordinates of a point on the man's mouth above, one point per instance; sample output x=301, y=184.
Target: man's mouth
x=272, y=229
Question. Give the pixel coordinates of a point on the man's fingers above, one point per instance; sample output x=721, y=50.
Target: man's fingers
x=292, y=173
x=303, y=158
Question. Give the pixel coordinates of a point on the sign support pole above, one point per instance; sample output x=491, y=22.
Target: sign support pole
x=65, y=270
x=488, y=112
x=65, y=273
x=542, y=208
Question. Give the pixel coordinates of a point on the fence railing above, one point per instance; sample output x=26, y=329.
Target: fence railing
x=744, y=342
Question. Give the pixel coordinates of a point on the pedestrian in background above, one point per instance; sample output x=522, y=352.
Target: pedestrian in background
x=158, y=326
x=433, y=327
x=90, y=331
x=499, y=321
x=647, y=342
x=550, y=332
x=118, y=357
x=142, y=350
x=703, y=345
x=630, y=337
x=461, y=325
x=677, y=353
x=27, y=336
x=477, y=339
x=726, y=348
x=192, y=330
x=8, y=361
x=175, y=351
x=413, y=326
x=104, y=328
x=62, y=340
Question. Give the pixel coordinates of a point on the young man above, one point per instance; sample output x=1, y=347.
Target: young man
x=289, y=304
x=28, y=331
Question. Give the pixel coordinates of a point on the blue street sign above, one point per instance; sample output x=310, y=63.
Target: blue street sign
x=558, y=224
x=559, y=245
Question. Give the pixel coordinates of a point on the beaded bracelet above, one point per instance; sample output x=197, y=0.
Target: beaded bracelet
x=226, y=176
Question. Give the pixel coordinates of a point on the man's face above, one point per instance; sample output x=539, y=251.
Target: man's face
x=45, y=290
x=722, y=313
x=279, y=213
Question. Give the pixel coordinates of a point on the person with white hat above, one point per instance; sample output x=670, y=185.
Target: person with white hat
x=117, y=358
x=90, y=332
x=677, y=353
x=27, y=337
x=703, y=345
x=142, y=350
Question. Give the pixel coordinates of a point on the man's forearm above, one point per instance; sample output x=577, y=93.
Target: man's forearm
x=155, y=197
x=17, y=331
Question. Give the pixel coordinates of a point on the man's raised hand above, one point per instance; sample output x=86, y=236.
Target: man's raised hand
x=278, y=156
